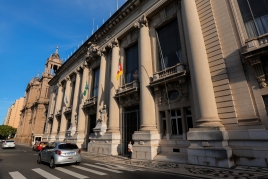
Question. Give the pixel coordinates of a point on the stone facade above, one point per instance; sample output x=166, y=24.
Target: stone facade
x=35, y=107
x=193, y=82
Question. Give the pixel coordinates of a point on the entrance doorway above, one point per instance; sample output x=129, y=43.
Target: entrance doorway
x=130, y=124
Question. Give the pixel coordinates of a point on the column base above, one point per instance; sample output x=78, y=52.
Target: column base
x=108, y=144
x=146, y=144
x=209, y=147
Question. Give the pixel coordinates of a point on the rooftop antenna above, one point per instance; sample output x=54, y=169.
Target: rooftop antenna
x=87, y=36
x=102, y=21
x=110, y=14
x=57, y=50
x=82, y=41
x=116, y=4
x=93, y=27
x=37, y=74
x=97, y=27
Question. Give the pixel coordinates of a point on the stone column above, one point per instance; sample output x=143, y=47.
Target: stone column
x=204, y=98
x=81, y=125
x=209, y=144
x=63, y=118
x=51, y=113
x=147, y=139
x=57, y=107
x=108, y=143
x=74, y=117
x=101, y=90
x=114, y=84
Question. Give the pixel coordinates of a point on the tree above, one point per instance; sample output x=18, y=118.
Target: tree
x=6, y=130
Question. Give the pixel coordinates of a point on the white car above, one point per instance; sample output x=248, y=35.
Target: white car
x=8, y=144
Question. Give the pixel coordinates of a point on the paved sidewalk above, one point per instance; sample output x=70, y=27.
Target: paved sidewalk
x=240, y=172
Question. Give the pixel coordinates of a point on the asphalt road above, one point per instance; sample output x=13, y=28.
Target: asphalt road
x=21, y=164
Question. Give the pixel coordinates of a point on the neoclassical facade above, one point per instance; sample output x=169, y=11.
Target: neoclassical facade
x=193, y=83
x=34, y=110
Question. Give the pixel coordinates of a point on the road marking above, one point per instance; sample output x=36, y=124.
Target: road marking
x=44, y=173
x=74, y=174
x=89, y=170
x=111, y=170
x=118, y=167
x=16, y=175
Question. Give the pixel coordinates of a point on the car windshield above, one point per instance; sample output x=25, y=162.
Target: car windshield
x=10, y=141
x=68, y=146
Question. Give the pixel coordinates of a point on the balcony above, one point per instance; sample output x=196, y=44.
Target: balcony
x=58, y=114
x=50, y=116
x=128, y=94
x=256, y=46
x=67, y=112
x=127, y=89
x=172, y=74
x=90, y=105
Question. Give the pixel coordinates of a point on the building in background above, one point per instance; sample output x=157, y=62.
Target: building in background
x=34, y=111
x=6, y=120
x=15, y=110
x=193, y=84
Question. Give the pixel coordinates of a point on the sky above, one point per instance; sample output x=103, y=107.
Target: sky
x=30, y=31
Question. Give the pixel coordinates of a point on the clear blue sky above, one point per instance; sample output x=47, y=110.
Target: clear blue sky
x=30, y=30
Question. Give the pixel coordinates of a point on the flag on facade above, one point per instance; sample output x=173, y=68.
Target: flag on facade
x=120, y=70
x=85, y=90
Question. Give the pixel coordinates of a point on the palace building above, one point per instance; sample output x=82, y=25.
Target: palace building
x=175, y=77
x=34, y=110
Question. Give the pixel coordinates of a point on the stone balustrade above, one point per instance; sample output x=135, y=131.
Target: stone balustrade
x=256, y=43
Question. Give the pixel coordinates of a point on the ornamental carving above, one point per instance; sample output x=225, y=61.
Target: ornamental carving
x=260, y=70
x=92, y=52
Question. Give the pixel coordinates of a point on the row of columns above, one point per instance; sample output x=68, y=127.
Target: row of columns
x=205, y=105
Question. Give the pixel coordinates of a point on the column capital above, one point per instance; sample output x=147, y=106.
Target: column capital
x=59, y=84
x=115, y=43
x=101, y=52
x=67, y=78
x=142, y=22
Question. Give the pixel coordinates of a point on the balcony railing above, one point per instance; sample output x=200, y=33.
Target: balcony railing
x=256, y=43
x=169, y=74
x=127, y=88
x=91, y=101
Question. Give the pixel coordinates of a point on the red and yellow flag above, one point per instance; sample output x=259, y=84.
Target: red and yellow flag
x=120, y=70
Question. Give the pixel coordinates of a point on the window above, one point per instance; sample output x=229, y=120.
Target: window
x=68, y=146
x=169, y=45
x=255, y=16
x=176, y=123
x=132, y=62
x=96, y=82
x=265, y=100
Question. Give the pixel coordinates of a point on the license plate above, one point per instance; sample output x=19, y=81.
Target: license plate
x=70, y=158
x=70, y=153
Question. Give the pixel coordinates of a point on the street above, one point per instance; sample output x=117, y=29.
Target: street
x=20, y=163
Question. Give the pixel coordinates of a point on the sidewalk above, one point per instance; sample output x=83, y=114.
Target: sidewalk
x=240, y=172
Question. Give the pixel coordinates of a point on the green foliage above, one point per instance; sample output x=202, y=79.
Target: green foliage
x=6, y=130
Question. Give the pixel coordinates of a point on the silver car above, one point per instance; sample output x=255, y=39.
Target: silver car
x=8, y=144
x=56, y=153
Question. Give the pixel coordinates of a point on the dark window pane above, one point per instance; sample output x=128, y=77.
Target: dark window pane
x=132, y=62
x=258, y=7
x=174, y=126
x=164, y=127
x=178, y=112
x=179, y=126
x=189, y=123
x=170, y=46
x=68, y=146
x=244, y=9
x=96, y=82
x=173, y=113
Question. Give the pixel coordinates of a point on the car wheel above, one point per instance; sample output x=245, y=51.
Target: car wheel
x=39, y=159
x=77, y=163
x=52, y=163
